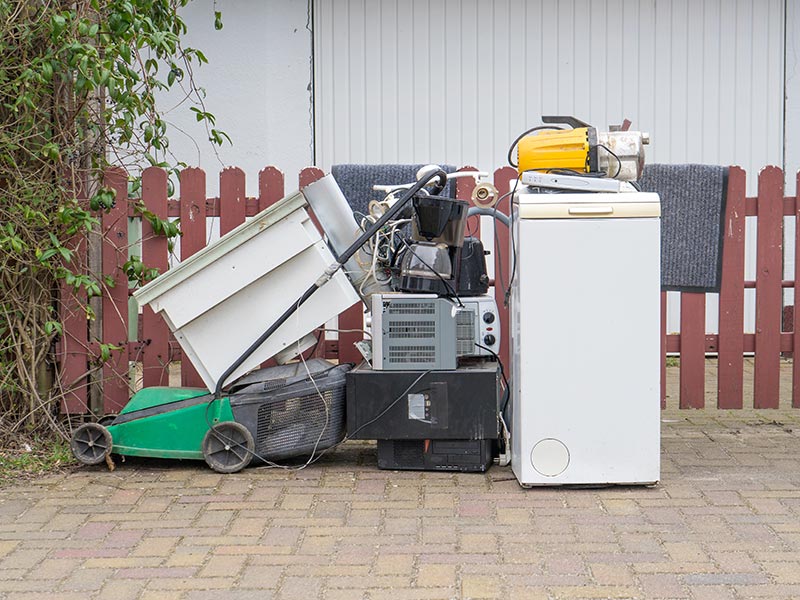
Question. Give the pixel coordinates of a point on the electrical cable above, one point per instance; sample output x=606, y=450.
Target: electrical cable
x=435, y=272
x=507, y=294
x=499, y=262
x=494, y=215
x=388, y=408
x=619, y=162
x=574, y=173
x=522, y=135
x=502, y=374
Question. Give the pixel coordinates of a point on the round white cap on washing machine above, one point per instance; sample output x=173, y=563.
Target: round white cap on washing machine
x=550, y=457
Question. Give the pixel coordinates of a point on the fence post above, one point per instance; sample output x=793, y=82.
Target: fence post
x=796, y=315
x=351, y=321
x=730, y=374
x=693, y=350
x=192, y=203
x=232, y=199
x=115, y=382
x=155, y=359
x=270, y=187
x=464, y=187
x=270, y=190
x=503, y=178
x=73, y=348
x=769, y=272
x=663, y=349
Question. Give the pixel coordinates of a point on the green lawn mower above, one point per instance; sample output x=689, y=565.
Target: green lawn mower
x=272, y=414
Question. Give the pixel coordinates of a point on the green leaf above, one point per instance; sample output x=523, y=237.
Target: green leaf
x=51, y=327
x=217, y=20
x=50, y=151
x=103, y=199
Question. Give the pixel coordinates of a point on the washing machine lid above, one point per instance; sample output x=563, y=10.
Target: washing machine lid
x=625, y=205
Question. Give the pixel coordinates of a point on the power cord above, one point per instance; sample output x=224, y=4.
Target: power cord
x=522, y=135
x=446, y=283
x=619, y=162
x=499, y=262
x=502, y=374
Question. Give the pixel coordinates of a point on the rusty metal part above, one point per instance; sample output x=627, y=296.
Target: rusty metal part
x=621, y=153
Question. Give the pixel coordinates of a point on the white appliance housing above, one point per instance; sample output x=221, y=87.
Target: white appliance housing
x=486, y=325
x=220, y=300
x=585, y=335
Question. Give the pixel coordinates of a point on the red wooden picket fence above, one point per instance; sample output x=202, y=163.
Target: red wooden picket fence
x=154, y=349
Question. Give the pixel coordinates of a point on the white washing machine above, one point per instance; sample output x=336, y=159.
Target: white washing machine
x=586, y=326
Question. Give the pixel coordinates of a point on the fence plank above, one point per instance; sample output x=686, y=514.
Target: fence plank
x=769, y=266
x=155, y=360
x=503, y=179
x=663, y=349
x=346, y=320
x=193, y=238
x=464, y=187
x=270, y=187
x=270, y=190
x=693, y=356
x=232, y=199
x=73, y=348
x=351, y=321
x=796, y=312
x=116, y=388
x=730, y=375
x=308, y=176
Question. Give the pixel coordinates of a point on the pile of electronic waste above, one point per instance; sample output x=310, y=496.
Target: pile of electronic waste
x=431, y=389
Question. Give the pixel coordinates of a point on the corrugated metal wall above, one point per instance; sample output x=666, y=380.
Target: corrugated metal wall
x=455, y=81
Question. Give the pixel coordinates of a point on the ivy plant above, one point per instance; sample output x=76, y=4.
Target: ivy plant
x=78, y=88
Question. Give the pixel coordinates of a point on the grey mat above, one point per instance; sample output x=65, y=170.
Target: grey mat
x=692, y=223
x=356, y=181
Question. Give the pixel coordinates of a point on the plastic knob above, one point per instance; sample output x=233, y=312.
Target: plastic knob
x=488, y=317
x=489, y=340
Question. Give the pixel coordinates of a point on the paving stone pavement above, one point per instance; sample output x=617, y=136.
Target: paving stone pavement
x=723, y=523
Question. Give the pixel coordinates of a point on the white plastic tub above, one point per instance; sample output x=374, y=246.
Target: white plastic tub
x=219, y=301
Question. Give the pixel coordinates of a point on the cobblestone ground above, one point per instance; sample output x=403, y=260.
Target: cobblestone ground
x=723, y=523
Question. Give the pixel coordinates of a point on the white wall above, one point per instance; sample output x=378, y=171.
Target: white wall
x=258, y=84
x=455, y=81
x=792, y=131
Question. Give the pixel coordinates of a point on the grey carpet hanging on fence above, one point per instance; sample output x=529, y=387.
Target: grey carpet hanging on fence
x=692, y=223
x=356, y=181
